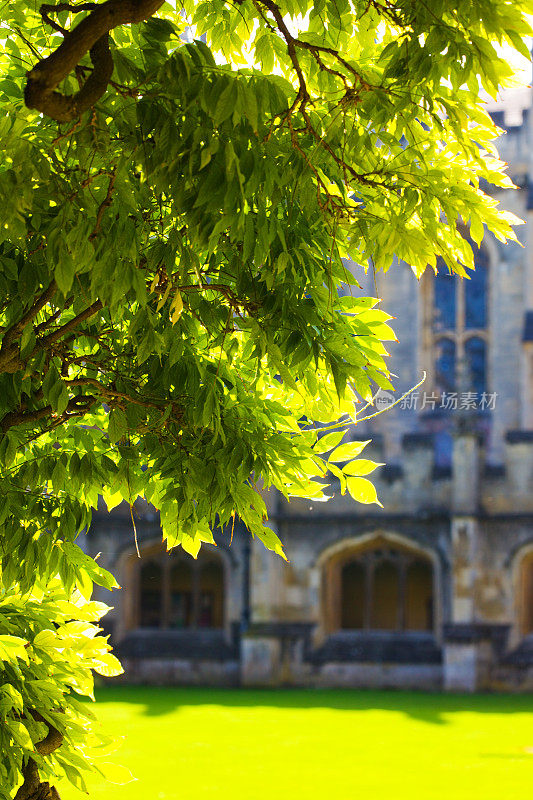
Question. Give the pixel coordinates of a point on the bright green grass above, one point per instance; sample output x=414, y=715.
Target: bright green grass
x=195, y=744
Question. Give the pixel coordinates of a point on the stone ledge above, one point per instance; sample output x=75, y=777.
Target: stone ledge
x=205, y=645
x=474, y=632
x=179, y=672
x=519, y=437
x=414, y=677
x=280, y=630
x=411, y=647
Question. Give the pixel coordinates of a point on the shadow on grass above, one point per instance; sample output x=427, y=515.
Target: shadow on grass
x=423, y=706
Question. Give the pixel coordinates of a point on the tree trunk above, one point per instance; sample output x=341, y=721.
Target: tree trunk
x=33, y=788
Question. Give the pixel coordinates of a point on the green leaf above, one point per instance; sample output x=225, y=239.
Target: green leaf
x=361, y=466
x=117, y=427
x=85, y=563
x=362, y=490
x=225, y=105
x=270, y=540
x=108, y=665
x=250, y=105
x=64, y=272
x=12, y=648
x=46, y=639
x=348, y=450
x=115, y=773
x=328, y=441
x=20, y=733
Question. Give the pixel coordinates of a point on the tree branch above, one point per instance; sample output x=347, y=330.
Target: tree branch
x=9, y=351
x=15, y=330
x=10, y=361
x=80, y=403
x=70, y=326
x=106, y=202
x=89, y=36
x=32, y=788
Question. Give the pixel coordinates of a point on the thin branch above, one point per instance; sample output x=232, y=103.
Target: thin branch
x=106, y=202
x=71, y=325
x=38, y=304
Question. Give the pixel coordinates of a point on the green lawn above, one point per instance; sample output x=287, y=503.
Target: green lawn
x=195, y=744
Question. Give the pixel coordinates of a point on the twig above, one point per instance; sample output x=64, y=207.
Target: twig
x=106, y=202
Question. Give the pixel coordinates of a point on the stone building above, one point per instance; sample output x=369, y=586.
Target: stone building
x=435, y=590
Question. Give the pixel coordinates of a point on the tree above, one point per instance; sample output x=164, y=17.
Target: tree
x=174, y=230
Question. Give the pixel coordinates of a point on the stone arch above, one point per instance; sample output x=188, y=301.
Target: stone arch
x=402, y=594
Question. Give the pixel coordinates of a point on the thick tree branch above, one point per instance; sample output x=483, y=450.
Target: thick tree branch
x=32, y=788
x=9, y=350
x=52, y=741
x=89, y=36
x=10, y=360
x=80, y=403
x=50, y=8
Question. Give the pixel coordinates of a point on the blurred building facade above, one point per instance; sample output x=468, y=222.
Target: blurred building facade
x=433, y=591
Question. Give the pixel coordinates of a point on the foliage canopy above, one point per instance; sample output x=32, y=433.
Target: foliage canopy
x=176, y=221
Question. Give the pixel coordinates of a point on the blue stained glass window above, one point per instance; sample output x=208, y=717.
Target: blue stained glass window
x=443, y=447
x=475, y=352
x=445, y=365
x=445, y=302
x=476, y=293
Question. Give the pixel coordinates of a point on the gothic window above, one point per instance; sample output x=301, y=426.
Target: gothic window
x=386, y=589
x=177, y=592
x=460, y=328
x=527, y=595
